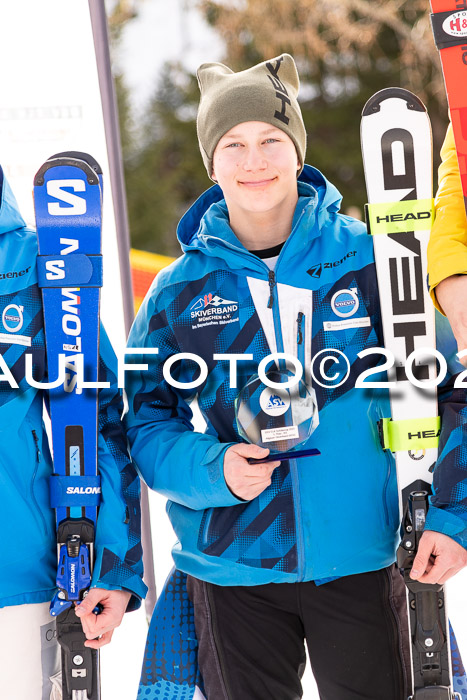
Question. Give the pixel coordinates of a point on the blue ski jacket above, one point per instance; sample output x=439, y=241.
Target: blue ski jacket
x=28, y=550
x=332, y=515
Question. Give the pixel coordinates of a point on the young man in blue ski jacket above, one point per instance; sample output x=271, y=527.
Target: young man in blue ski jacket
x=300, y=550
x=28, y=551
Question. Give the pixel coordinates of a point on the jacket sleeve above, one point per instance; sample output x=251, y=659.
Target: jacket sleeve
x=118, y=533
x=183, y=465
x=448, y=504
x=447, y=249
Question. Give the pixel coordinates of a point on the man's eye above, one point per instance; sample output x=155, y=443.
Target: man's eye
x=233, y=145
x=271, y=140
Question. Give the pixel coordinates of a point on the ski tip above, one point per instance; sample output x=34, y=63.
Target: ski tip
x=80, y=155
x=66, y=158
x=374, y=103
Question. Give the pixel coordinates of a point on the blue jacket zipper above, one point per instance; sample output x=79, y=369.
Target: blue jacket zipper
x=301, y=324
x=36, y=467
x=273, y=304
x=272, y=284
x=300, y=328
x=294, y=470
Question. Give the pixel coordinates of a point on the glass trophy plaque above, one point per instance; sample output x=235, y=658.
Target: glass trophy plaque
x=280, y=418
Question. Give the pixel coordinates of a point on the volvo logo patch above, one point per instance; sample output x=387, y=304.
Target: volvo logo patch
x=345, y=302
x=12, y=318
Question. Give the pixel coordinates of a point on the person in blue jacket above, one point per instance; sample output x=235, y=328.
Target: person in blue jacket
x=28, y=551
x=276, y=554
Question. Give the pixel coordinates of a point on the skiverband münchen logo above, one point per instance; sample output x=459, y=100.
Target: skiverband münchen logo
x=456, y=24
x=212, y=309
x=209, y=300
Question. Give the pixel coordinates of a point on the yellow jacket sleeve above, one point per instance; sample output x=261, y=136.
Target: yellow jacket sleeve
x=447, y=249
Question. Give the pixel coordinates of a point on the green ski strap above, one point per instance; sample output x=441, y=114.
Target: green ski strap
x=400, y=217
x=409, y=435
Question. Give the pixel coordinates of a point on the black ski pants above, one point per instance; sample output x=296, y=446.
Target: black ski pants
x=251, y=638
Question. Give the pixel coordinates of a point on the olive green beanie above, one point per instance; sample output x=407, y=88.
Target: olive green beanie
x=265, y=93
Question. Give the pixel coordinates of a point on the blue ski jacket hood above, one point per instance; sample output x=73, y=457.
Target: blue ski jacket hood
x=195, y=230
x=28, y=555
x=10, y=218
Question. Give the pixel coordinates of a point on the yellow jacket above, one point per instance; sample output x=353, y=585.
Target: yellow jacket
x=447, y=249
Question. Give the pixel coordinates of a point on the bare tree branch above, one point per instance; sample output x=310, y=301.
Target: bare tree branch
x=346, y=33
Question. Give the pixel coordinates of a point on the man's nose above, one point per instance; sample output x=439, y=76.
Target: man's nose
x=254, y=159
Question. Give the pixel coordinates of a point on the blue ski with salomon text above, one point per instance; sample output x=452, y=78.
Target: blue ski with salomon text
x=68, y=205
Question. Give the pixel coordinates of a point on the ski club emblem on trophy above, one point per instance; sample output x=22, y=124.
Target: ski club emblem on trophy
x=278, y=411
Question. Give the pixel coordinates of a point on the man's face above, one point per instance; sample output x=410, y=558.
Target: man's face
x=256, y=167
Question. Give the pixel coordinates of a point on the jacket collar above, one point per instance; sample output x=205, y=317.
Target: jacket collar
x=205, y=226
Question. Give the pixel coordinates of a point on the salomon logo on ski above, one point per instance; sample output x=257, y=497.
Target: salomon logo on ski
x=71, y=322
x=76, y=205
x=80, y=490
x=55, y=269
